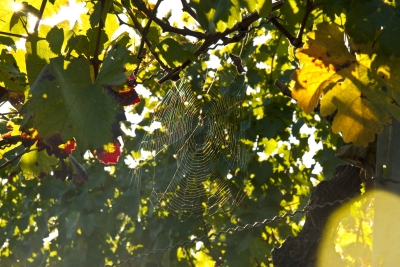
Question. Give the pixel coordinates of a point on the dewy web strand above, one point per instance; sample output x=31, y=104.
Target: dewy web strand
x=201, y=128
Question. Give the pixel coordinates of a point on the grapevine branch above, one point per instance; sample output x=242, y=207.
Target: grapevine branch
x=295, y=41
x=240, y=27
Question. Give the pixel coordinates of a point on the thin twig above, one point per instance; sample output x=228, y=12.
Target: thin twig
x=188, y=9
x=44, y=2
x=144, y=36
x=9, y=113
x=166, y=27
x=283, y=88
x=24, y=25
x=298, y=41
x=95, y=61
x=139, y=27
x=13, y=34
x=17, y=157
x=282, y=29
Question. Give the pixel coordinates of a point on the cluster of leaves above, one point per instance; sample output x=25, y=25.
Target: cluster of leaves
x=69, y=85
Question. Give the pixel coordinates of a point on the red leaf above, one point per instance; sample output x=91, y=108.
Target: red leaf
x=131, y=77
x=69, y=146
x=128, y=98
x=28, y=139
x=109, y=153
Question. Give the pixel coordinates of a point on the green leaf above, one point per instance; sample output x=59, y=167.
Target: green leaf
x=38, y=53
x=65, y=101
x=250, y=5
x=270, y=145
x=154, y=35
x=173, y=53
x=264, y=7
x=10, y=76
x=111, y=71
x=370, y=20
x=216, y=14
x=35, y=163
x=55, y=38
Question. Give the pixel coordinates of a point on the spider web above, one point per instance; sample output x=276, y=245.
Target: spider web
x=201, y=130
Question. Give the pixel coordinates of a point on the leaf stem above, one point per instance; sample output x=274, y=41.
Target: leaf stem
x=144, y=36
x=282, y=29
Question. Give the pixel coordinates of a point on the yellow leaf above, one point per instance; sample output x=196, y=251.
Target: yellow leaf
x=358, y=118
x=349, y=83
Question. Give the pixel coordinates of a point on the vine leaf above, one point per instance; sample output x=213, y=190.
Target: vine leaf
x=111, y=71
x=345, y=81
x=65, y=101
x=166, y=48
x=216, y=14
x=37, y=164
x=375, y=20
x=263, y=7
x=109, y=153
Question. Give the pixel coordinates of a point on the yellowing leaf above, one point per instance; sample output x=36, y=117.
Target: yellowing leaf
x=35, y=163
x=322, y=57
x=346, y=82
x=358, y=118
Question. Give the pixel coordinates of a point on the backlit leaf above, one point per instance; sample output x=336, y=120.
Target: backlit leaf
x=216, y=15
x=66, y=102
x=35, y=163
x=166, y=48
x=346, y=82
x=375, y=20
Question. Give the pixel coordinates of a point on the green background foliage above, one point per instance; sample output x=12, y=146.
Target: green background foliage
x=57, y=85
